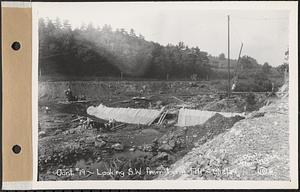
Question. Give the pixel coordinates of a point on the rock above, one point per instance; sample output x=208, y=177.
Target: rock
x=132, y=149
x=81, y=141
x=192, y=84
x=159, y=103
x=165, y=147
x=71, y=131
x=256, y=114
x=172, y=143
x=102, y=137
x=155, y=140
x=171, y=122
x=161, y=156
x=148, y=148
x=57, y=131
x=100, y=143
x=117, y=147
x=42, y=133
x=90, y=141
x=140, y=148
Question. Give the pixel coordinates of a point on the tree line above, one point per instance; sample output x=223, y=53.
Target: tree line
x=90, y=51
x=102, y=51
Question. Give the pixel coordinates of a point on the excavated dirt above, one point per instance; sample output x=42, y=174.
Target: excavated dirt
x=256, y=148
x=69, y=150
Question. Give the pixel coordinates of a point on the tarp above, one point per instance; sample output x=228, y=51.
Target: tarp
x=190, y=117
x=124, y=115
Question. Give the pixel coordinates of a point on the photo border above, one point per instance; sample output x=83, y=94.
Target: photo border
x=188, y=184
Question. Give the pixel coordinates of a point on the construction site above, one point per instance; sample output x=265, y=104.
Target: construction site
x=115, y=106
x=106, y=128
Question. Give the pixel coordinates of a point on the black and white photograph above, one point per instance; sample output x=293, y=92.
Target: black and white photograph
x=163, y=91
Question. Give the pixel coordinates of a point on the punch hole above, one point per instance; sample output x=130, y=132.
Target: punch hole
x=16, y=45
x=16, y=149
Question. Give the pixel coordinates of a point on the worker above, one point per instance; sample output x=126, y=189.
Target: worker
x=47, y=109
x=233, y=86
x=273, y=89
x=245, y=109
x=69, y=95
x=111, y=122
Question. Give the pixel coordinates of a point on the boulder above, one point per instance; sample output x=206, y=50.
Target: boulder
x=100, y=143
x=165, y=147
x=172, y=143
x=147, y=148
x=162, y=156
x=132, y=149
x=42, y=133
x=102, y=137
x=256, y=114
x=90, y=141
x=118, y=147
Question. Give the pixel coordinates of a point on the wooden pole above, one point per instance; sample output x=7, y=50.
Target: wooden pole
x=240, y=53
x=238, y=61
x=228, y=17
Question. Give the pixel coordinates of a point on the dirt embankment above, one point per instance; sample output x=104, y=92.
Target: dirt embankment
x=93, y=90
x=256, y=148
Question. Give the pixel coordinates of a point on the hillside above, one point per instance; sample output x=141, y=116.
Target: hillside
x=256, y=148
x=91, y=51
x=95, y=51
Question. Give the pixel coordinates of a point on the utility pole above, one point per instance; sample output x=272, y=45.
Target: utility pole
x=228, y=17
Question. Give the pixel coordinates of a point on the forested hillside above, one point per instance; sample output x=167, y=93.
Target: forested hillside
x=102, y=51
x=91, y=51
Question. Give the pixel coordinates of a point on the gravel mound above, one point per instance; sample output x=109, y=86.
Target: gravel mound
x=253, y=149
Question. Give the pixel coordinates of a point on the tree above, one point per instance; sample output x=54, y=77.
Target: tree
x=248, y=62
x=132, y=33
x=266, y=68
x=222, y=56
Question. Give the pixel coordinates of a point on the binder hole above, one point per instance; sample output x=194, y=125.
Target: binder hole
x=16, y=46
x=16, y=149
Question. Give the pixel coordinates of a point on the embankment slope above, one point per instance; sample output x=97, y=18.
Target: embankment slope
x=256, y=148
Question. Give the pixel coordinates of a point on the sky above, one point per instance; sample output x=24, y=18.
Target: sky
x=263, y=30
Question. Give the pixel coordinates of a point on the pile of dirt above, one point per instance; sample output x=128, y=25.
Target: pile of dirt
x=235, y=104
x=218, y=124
x=200, y=101
x=256, y=148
